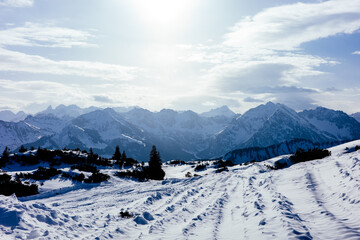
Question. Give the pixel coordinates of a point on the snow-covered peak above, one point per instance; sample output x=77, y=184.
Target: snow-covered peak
x=123, y=109
x=335, y=123
x=221, y=111
x=257, y=116
x=9, y=116
x=71, y=111
x=356, y=116
x=323, y=113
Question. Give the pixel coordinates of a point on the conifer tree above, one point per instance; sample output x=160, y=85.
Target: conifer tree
x=5, y=157
x=155, y=170
x=22, y=149
x=124, y=157
x=117, y=154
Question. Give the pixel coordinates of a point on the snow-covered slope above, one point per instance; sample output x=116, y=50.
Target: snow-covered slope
x=261, y=153
x=47, y=122
x=319, y=199
x=12, y=134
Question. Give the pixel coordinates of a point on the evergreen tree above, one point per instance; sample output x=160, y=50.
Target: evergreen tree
x=22, y=149
x=91, y=153
x=90, y=157
x=117, y=154
x=5, y=157
x=155, y=170
x=124, y=157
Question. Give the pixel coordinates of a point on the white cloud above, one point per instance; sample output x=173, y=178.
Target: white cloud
x=261, y=55
x=356, y=52
x=287, y=27
x=16, y=94
x=44, y=35
x=17, y=3
x=17, y=61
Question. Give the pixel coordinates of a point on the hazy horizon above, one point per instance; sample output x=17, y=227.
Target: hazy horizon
x=178, y=110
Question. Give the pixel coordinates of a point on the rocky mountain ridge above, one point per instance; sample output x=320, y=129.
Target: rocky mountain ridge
x=185, y=135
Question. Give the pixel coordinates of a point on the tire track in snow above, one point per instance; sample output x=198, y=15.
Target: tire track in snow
x=271, y=211
x=331, y=208
x=317, y=200
x=208, y=214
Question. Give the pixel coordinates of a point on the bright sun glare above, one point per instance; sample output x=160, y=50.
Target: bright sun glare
x=163, y=13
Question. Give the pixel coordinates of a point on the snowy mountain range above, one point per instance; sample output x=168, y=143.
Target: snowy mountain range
x=67, y=112
x=9, y=116
x=356, y=116
x=182, y=135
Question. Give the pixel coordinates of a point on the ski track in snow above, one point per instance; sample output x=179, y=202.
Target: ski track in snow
x=315, y=200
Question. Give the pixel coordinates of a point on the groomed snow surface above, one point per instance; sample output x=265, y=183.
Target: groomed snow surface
x=319, y=199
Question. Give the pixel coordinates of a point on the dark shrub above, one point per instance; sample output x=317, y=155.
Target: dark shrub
x=8, y=187
x=125, y=214
x=139, y=174
x=303, y=156
x=200, y=167
x=97, y=177
x=188, y=174
x=5, y=157
x=177, y=162
x=40, y=174
x=75, y=177
x=222, y=163
x=85, y=168
x=219, y=170
x=79, y=177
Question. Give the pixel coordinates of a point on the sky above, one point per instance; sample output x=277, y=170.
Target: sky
x=188, y=54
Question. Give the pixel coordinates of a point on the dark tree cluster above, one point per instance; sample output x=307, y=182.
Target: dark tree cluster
x=177, y=162
x=139, y=174
x=222, y=163
x=74, y=176
x=9, y=187
x=97, y=177
x=153, y=171
x=54, y=157
x=40, y=174
x=4, y=157
x=85, y=168
x=93, y=158
x=303, y=156
x=122, y=160
x=22, y=149
x=200, y=167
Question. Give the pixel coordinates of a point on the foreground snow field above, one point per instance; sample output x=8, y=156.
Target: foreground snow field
x=319, y=199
